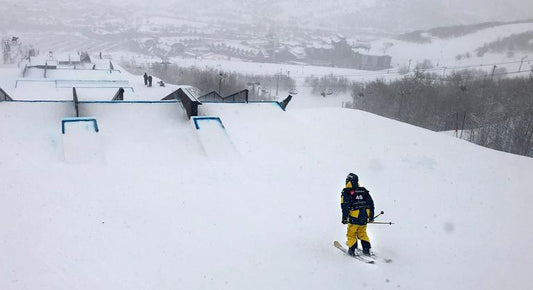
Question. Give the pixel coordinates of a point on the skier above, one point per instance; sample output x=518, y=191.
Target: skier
x=145, y=76
x=357, y=210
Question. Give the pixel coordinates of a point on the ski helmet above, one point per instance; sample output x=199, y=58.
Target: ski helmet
x=353, y=178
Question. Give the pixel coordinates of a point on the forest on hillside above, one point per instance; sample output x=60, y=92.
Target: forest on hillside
x=487, y=109
x=521, y=42
x=261, y=87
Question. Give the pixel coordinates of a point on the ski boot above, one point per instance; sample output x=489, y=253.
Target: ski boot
x=351, y=250
x=366, y=248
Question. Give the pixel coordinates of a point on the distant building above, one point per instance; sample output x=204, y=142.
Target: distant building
x=372, y=62
x=339, y=53
x=283, y=55
x=262, y=56
x=334, y=51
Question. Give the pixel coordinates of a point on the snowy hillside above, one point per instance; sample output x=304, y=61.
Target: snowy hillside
x=440, y=52
x=443, y=52
x=159, y=207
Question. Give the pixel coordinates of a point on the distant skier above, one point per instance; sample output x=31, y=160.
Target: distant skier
x=149, y=81
x=145, y=76
x=357, y=210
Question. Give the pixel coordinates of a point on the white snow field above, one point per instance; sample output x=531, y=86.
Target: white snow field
x=157, y=211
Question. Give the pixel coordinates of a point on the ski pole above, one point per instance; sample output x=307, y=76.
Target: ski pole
x=382, y=223
x=382, y=212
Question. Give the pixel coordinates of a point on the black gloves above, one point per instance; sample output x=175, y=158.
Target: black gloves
x=344, y=220
x=371, y=217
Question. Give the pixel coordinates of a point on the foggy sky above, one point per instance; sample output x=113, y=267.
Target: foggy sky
x=391, y=15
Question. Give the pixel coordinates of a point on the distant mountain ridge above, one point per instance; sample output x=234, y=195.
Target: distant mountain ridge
x=424, y=36
x=386, y=16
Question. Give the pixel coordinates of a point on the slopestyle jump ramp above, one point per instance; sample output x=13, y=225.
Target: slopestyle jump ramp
x=213, y=137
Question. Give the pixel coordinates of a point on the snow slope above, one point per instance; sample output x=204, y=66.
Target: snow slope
x=159, y=213
x=444, y=51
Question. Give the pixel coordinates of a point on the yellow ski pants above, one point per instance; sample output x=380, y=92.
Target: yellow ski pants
x=356, y=232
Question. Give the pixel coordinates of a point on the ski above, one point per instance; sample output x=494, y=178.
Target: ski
x=357, y=256
x=374, y=256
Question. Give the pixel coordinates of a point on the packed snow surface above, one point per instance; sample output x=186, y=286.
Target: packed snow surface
x=157, y=212
x=156, y=203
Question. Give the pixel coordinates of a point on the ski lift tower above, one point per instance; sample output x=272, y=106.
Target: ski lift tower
x=165, y=62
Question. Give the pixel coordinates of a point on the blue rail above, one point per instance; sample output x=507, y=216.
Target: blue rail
x=74, y=120
x=196, y=119
x=118, y=83
x=94, y=102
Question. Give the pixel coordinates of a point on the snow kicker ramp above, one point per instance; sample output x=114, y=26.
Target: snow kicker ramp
x=122, y=133
x=213, y=137
x=146, y=133
x=81, y=141
x=32, y=131
x=257, y=129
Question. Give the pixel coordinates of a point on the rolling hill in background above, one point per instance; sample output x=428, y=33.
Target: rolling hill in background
x=373, y=15
x=383, y=16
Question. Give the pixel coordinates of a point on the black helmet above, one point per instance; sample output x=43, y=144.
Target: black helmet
x=353, y=178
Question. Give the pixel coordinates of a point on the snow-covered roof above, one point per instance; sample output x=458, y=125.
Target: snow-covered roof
x=320, y=46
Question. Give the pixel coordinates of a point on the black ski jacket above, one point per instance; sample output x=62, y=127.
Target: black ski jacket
x=357, y=205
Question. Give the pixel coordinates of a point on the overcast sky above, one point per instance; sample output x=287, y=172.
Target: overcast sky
x=382, y=14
